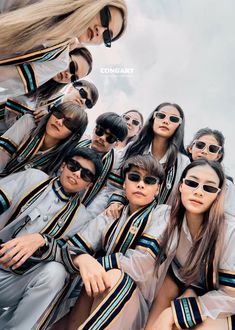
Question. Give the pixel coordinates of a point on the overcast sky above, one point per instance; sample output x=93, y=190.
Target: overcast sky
x=180, y=51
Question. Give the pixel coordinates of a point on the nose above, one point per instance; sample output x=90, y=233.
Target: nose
x=166, y=120
x=59, y=121
x=198, y=191
x=140, y=184
x=99, y=29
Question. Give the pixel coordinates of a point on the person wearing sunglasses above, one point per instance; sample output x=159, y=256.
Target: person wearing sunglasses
x=38, y=48
x=40, y=207
x=197, y=245
x=162, y=136
x=209, y=144
x=39, y=102
x=27, y=145
x=135, y=121
x=83, y=92
x=117, y=284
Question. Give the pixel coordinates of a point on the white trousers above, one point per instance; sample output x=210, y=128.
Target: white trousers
x=29, y=295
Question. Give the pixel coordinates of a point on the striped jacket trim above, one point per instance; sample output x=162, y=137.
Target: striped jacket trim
x=114, y=302
x=187, y=312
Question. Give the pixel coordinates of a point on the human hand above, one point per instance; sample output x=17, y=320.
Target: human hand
x=16, y=251
x=94, y=276
x=40, y=113
x=114, y=210
x=165, y=320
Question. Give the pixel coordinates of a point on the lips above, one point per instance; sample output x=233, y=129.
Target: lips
x=71, y=180
x=55, y=127
x=139, y=193
x=196, y=201
x=164, y=127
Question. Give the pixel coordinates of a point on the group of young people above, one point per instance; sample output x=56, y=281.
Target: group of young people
x=126, y=230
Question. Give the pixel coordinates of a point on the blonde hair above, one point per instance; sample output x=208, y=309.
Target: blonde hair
x=51, y=22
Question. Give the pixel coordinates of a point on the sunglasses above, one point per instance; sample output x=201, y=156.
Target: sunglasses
x=73, y=68
x=105, y=18
x=148, y=179
x=212, y=148
x=133, y=121
x=74, y=166
x=173, y=119
x=100, y=131
x=206, y=187
x=84, y=95
x=67, y=122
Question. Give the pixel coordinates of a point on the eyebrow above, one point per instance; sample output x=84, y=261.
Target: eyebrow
x=208, y=181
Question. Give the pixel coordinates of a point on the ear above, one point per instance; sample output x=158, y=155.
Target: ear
x=62, y=167
x=157, y=190
x=189, y=149
x=180, y=187
x=124, y=185
x=219, y=155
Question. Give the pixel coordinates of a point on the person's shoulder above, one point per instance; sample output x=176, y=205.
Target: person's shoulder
x=183, y=159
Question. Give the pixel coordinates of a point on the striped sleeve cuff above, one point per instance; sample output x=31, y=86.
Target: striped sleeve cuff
x=187, y=312
x=116, y=179
x=111, y=261
x=67, y=259
x=28, y=77
x=150, y=245
x=227, y=279
x=117, y=198
x=5, y=202
x=7, y=145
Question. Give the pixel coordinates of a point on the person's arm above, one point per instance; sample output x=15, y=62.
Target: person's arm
x=215, y=303
x=13, y=137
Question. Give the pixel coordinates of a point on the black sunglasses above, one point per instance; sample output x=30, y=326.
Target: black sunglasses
x=73, y=68
x=105, y=18
x=100, y=131
x=67, y=122
x=84, y=95
x=74, y=166
x=148, y=179
x=212, y=148
x=173, y=119
x=206, y=187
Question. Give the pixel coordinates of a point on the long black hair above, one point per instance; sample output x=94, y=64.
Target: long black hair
x=146, y=136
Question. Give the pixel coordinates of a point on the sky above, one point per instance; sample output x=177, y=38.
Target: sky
x=179, y=51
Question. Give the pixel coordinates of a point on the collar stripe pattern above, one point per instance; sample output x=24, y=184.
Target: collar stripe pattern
x=42, y=55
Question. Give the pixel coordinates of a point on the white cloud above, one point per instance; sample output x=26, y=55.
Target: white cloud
x=181, y=51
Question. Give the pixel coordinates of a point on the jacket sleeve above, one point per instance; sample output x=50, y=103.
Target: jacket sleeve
x=220, y=303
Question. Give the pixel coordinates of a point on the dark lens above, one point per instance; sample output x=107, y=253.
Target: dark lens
x=213, y=148
x=83, y=93
x=127, y=118
x=135, y=122
x=111, y=139
x=73, y=165
x=87, y=175
x=210, y=189
x=174, y=119
x=107, y=38
x=160, y=115
x=74, y=78
x=58, y=114
x=200, y=145
x=105, y=16
x=150, y=180
x=191, y=183
x=89, y=104
x=99, y=131
x=69, y=124
x=134, y=177
x=72, y=68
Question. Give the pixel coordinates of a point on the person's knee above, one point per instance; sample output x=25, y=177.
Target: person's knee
x=53, y=275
